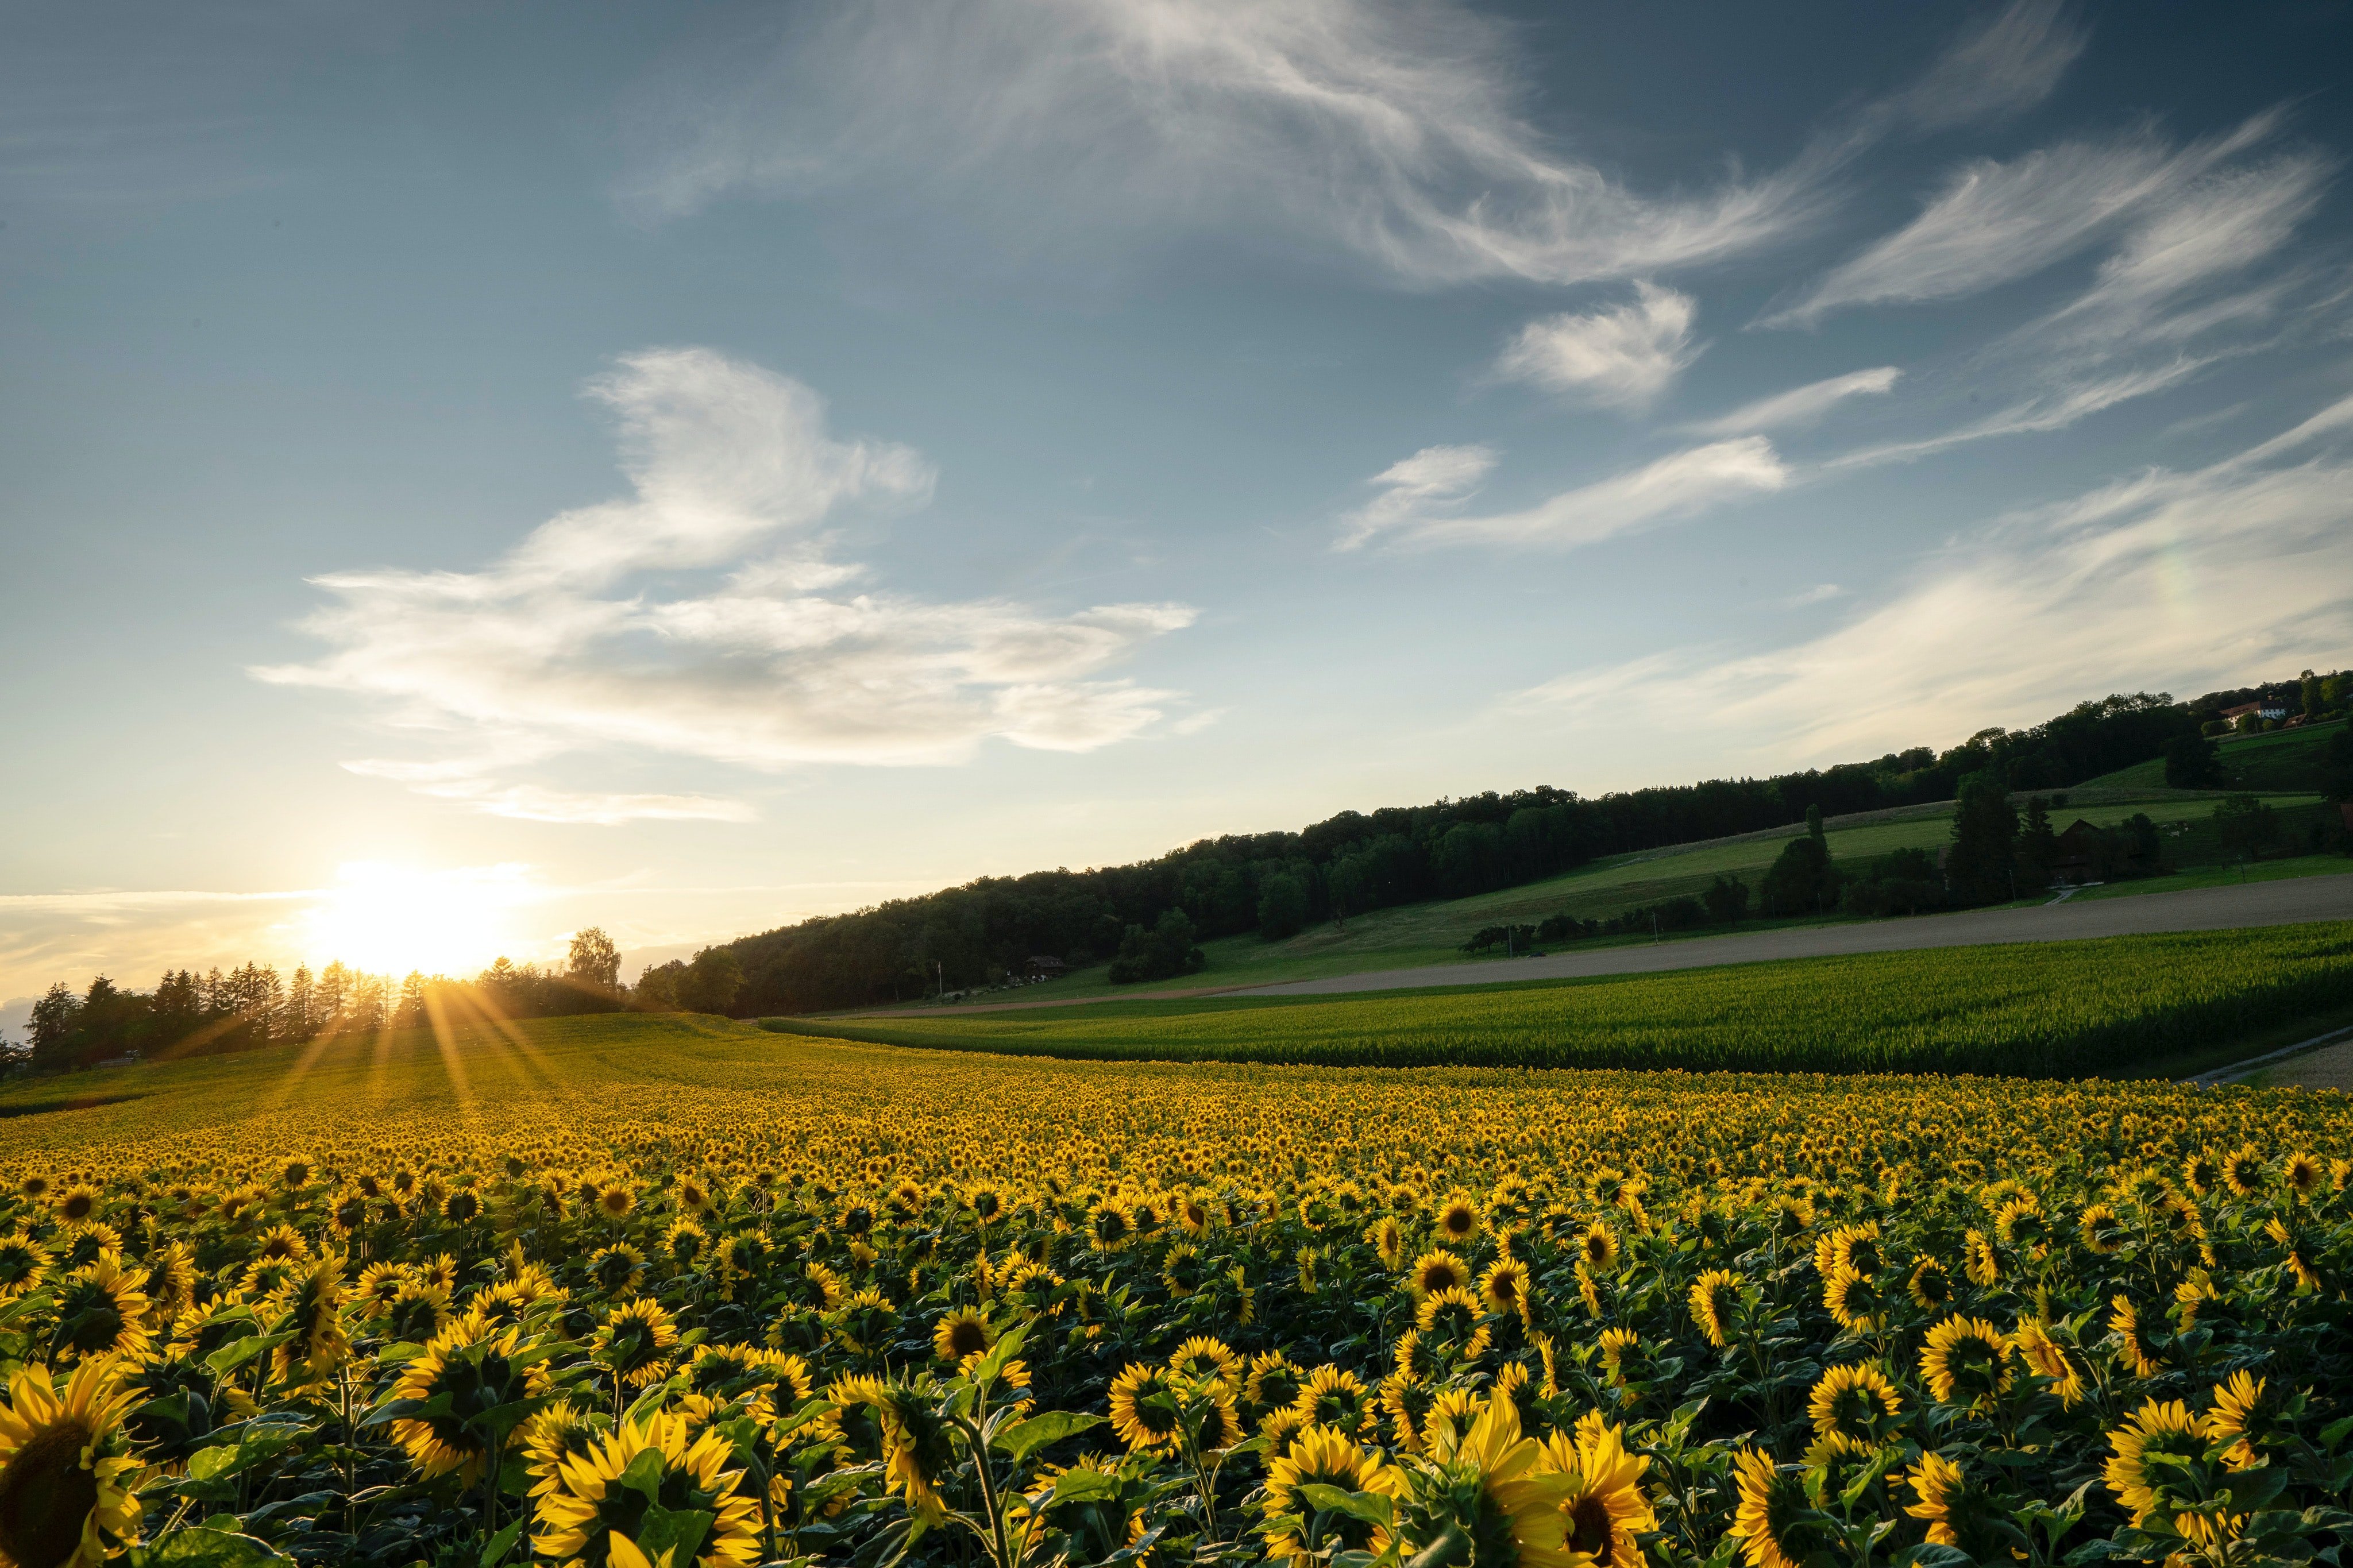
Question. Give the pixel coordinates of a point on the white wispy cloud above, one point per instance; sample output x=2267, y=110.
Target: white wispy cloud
x=1624, y=354
x=1801, y=406
x=702, y=617
x=1992, y=223
x=1421, y=501
x=1393, y=129
x=2067, y=400
x=2202, y=574
x=2213, y=227
x=1413, y=489
x=2012, y=63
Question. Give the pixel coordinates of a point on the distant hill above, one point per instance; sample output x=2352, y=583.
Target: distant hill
x=1149, y=916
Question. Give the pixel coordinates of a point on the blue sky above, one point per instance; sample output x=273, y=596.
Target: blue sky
x=685, y=468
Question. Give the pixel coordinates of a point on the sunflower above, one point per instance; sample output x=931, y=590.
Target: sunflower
x=1110, y=1226
x=2280, y=1231
x=1622, y=1356
x=1929, y=1285
x=2201, y=1173
x=281, y=1244
x=615, y=1202
x=1386, y=1238
x=1144, y=1407
x=615, y=1269
x=1771, y=1521
x=2133, y=1344
x=314, y=1316
x=1715, y=1299
x=417, y=1312
x=1406, y=1400
x=1436, y=1271
x=2243, y=1171
x=470, y=1370
x=1598, y=1248
x=2166, y=1428
x=24, y=1264
x=1853, y=1299
x=2021, y=1223
x=914, y=1444
x=1335, y=1399
x=2050, y=1362
x=1979, y=1259
x=634, y=1342
x=1516, y=1511
x=1959, y=1512
x=591, y=1512
x=101, y=1310
x=558, y=1433
x=2304, y=1174
x=961, y=1333
x=1966, y=1361
x=864, y=1322
x=1854, y=1247
x=1604, y=1509
x=684, y=1242
x=1202, y=1359
x=1274, y=1381
x=2241, y=1414
x=1505, y=1286
x=66, y=1469
x=1458, y=1317
x=1457, y=1217
x=1321, y=1456
x=1855, y=1402
x=78, y=1204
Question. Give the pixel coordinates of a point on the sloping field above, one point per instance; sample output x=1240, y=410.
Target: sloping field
x=2039, y=1009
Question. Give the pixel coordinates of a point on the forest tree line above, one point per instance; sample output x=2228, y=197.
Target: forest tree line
x=1145, y=917
x=253, y=1004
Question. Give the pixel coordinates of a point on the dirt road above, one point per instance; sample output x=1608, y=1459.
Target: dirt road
x=2200, y=909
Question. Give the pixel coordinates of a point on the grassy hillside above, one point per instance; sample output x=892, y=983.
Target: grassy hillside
x=2284, y=759
x=1432, y=932
x=2037, y=1009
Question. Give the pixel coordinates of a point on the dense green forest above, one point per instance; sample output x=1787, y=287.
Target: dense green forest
x=1145, y=917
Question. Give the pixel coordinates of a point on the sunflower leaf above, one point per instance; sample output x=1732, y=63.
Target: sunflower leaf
x=204, y=1547
x=1024, y=1439
x=1370, y=1507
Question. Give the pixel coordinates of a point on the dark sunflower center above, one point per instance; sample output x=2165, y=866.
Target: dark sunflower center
x=78, y=1207
x=1588, y=1525
x=966, y=1338
x=46, y=1496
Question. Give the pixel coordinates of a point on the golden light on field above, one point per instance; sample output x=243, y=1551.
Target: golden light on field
x=390, y=919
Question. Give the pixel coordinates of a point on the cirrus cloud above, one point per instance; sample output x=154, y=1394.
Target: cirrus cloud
x=1418, y=506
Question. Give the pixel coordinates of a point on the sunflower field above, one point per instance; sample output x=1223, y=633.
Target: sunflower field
x=646, y=1291
x=2038, y=1009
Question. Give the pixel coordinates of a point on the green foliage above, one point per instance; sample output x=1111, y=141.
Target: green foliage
x=1167, y=950
x=2245, y=825
x=1283, y=906
x=2193, y=762
x=1978, y=867
x=2037, y=1009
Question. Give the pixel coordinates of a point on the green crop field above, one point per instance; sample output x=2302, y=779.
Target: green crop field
x=2121, y=1003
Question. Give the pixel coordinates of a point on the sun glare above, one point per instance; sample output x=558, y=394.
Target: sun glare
x=394, y=919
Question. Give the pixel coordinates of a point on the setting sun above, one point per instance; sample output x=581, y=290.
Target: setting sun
x=393, y=918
